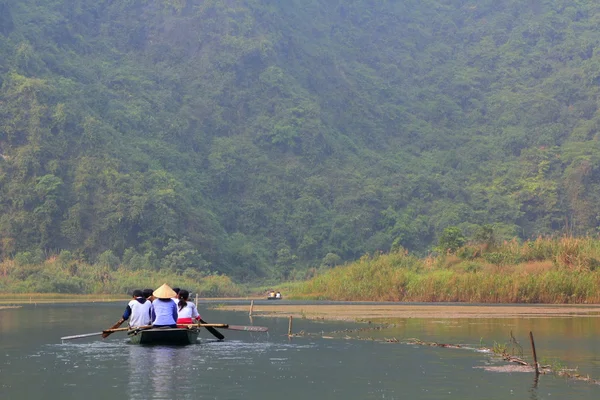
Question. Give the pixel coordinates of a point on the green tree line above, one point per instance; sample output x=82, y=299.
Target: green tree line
x=259, y=138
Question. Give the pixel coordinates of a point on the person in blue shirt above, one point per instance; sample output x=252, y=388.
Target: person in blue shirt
x=164, y=309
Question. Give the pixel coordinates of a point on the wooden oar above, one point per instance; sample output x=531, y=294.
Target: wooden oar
x=81, y=336
x=208, y=327
x=113, y=330
x=106, y=333
x=212, y=330
x=246, y=328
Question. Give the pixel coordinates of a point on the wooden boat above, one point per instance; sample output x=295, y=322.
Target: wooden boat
x=183, y=334
x=164, y=336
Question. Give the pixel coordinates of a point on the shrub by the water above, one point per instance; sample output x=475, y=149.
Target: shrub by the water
x=63, y=274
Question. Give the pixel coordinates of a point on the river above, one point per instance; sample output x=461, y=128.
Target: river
x=35, y=364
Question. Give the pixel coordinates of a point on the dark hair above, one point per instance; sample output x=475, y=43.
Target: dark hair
x=176, y=290
x=137, y=293
x=147, y=293
x=183, y=296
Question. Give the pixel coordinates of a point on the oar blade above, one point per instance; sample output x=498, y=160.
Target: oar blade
x=80, y=336
x=213, y=331
x=248, y=328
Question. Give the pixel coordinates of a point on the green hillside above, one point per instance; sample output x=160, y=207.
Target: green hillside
x=258, y=138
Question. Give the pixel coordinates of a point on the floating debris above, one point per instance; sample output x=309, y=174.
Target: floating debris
x=515, y=364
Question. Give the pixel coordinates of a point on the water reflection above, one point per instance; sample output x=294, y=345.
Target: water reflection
x=161, y=371
x=166, y=368
x=7, y=320
x=534, y=388
x=141, y=369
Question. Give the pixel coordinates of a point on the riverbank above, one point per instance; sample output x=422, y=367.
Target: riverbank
x=33, y=298
x=379, y=312
x=38, y=298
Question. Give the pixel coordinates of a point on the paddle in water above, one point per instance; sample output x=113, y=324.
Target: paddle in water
x=212, y=330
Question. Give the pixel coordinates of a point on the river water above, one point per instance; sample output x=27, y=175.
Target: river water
x=35, y=364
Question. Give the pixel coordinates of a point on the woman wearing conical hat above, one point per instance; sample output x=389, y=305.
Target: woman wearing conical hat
x=164, y=309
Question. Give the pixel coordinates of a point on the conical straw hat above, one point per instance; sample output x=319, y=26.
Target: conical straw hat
x=164, y=292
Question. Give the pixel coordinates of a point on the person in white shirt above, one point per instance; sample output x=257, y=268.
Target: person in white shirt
x=137, y=310
x=187, y=313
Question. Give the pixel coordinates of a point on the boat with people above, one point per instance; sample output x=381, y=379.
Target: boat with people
x=164, y=336
x=164, y=316
x=273, y=295
x=182, y=334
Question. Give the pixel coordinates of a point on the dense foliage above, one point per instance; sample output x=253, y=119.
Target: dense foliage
x=63, y=274
x=262, y=137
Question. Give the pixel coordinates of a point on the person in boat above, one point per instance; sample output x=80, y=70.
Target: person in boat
x=164, y=309
x=278, y=295
x=187, y=311
x=176, y=298
x=137, y=310
x=148, y=294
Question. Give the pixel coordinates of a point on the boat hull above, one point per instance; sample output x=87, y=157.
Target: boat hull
x=165, y=336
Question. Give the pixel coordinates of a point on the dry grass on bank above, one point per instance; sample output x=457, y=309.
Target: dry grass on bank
x=554, y=271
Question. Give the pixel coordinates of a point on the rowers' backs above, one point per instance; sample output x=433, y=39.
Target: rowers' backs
x=164, y=307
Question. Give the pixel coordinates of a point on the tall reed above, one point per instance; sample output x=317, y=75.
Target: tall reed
x=544, y=270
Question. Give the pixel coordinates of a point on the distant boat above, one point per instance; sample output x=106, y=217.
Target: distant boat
x=165, y=336
x=273, y=296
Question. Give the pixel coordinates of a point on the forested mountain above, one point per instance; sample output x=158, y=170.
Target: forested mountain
x=259, y=137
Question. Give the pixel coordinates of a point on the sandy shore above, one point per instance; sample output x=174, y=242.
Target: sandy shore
x=363, y=312
x=6, y=307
